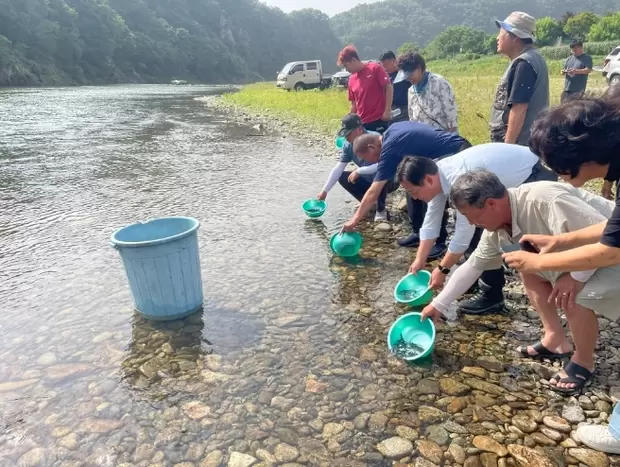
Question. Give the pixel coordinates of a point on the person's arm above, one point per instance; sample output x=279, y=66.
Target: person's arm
x=577, y=238
x=448, y=105
x=430, y=228
x=333, y=177
x=353, y=109
x=368, y=169
x=461, y=239
x=410, y=100
x=369, y=200
x=462, y=279
x=587, y=69
x=606, y=190
x=389, y=97
x=522, y=90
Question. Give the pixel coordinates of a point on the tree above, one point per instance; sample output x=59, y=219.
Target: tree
x=455, y=40
x=407, y=47
x=607, y=29
x=548, y=31
x=578, y=26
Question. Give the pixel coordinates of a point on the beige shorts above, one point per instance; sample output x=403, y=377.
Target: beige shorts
x=601, y=293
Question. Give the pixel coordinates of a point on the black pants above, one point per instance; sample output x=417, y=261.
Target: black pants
x=404, y=114
x=378, y=125
x=495, y=278
x=361, y=186
x=568, y=95
x=417, y=210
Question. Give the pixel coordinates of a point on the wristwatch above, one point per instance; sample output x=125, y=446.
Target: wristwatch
x=443, y=270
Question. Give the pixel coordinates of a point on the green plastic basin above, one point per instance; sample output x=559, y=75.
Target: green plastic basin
x=414, y=290
x=339, y=142
x=314, y=207
x=413, y=330
x=346, y=244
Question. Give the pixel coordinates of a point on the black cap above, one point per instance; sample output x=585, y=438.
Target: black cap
x=349, y=123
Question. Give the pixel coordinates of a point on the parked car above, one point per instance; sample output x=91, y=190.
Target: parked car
x=342, y=77
x=611, y=66
x=303, y=75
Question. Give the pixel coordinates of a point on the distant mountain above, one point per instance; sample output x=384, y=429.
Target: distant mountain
x=384, y=25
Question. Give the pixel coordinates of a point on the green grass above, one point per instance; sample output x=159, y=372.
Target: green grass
x=474, y=83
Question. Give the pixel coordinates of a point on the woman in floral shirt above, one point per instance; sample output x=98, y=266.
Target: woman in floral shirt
x=431, y=98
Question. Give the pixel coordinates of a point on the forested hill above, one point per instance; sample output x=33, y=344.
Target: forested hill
x=110, y=41
x=378, y=26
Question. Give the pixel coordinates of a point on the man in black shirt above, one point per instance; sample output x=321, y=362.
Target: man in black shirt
x=576, y=70
x=401, y=86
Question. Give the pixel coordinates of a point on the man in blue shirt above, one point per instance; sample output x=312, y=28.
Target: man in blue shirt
x=404, y=139
x=356, y=182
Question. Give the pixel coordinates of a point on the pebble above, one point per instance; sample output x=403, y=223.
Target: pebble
x=475, y=371
x=16, y=385
x=331, y=430
x=457, y=452
x=525, y=424
x=428, y=386
x=528, y=457
x=488, y=459
x=428, y=414
x=589, y=457
x=282, y=403
x=238, y=459
x=430, y=451
x=395, y=447
x=573, y=413
x=438, y=435
x=99, y=425
x=551, y=434
x=407, y=433
x=47, y=359
x=542, y=440
x=489, y=388
x=557, y=424
x=453, y=388
x=377, y=422
x=484, y=443
x=286, y=453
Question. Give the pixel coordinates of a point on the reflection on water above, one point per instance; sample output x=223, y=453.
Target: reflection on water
x=287, y=362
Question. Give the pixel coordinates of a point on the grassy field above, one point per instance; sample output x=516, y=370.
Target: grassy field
x=474, y=83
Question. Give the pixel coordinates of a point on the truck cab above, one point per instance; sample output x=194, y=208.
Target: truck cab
x=302, y=75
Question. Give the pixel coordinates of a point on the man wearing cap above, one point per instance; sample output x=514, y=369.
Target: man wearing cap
x=401, y=86
x=356, y=182
x=523, y=90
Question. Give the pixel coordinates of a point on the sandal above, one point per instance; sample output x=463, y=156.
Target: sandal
x=575, y=373
x=541, y=352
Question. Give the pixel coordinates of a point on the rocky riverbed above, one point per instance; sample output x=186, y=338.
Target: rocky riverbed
x=288, y=364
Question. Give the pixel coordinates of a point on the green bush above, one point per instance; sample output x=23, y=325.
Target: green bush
x=592, y=48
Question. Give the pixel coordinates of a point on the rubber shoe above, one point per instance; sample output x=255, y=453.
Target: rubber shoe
x=599, y=438
x=481, y=303
x=438, y=250
x=411, y=241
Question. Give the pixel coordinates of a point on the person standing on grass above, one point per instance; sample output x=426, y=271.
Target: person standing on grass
x=387, y=151
x=576, y=69
x=431, y=181
x=431, y=98
x=523, y=90
x=401, y=86
x=370, y=90
x=356, y=182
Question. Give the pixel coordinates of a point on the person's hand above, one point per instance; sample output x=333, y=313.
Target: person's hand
x=387, y=116
x=570, y=72
x=349, y=226
x=354, y=176
x=606, y=190
x=522, y=261
x=416, y=266
x=438, y=278
x=431, y=312
x=543, y=243
x=321, y=196
x=565, y=292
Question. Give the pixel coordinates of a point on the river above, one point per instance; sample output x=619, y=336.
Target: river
x=288, y=361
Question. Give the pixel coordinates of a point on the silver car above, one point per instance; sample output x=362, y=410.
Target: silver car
x=611, y=66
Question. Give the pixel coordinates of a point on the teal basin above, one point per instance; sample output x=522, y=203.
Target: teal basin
x=346, y=244
x=314, y=207
x=411, y=329
x=414, y=290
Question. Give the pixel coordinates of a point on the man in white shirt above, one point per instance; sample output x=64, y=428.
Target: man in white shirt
x=431, y=181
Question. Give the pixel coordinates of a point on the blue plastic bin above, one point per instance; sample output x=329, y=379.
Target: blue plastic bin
x=162, y=263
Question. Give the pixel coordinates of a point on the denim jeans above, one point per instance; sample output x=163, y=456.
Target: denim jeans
x=614, y=422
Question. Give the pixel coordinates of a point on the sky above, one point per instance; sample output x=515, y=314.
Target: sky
x=331, y=7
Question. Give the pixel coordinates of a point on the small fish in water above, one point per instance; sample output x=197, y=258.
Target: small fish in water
x=313, y=210
x=408, y=294
x=407, y=350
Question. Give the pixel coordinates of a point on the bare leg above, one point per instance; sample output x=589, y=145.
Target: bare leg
x=584, y=328
x=538, y=291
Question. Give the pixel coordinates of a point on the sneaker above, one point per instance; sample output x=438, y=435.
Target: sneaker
x=438, y=250
x=411, y=241
x=599, y=438
x=482, y=302
x=381, y=216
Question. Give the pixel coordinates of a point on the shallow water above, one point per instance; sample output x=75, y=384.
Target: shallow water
x=290, y=350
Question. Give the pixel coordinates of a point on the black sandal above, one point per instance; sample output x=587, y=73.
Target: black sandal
x=576, y=374
x=541, y=352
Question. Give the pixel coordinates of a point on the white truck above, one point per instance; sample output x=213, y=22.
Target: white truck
x=307, y=74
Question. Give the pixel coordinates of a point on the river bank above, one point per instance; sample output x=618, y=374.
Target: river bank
x=491, y=408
